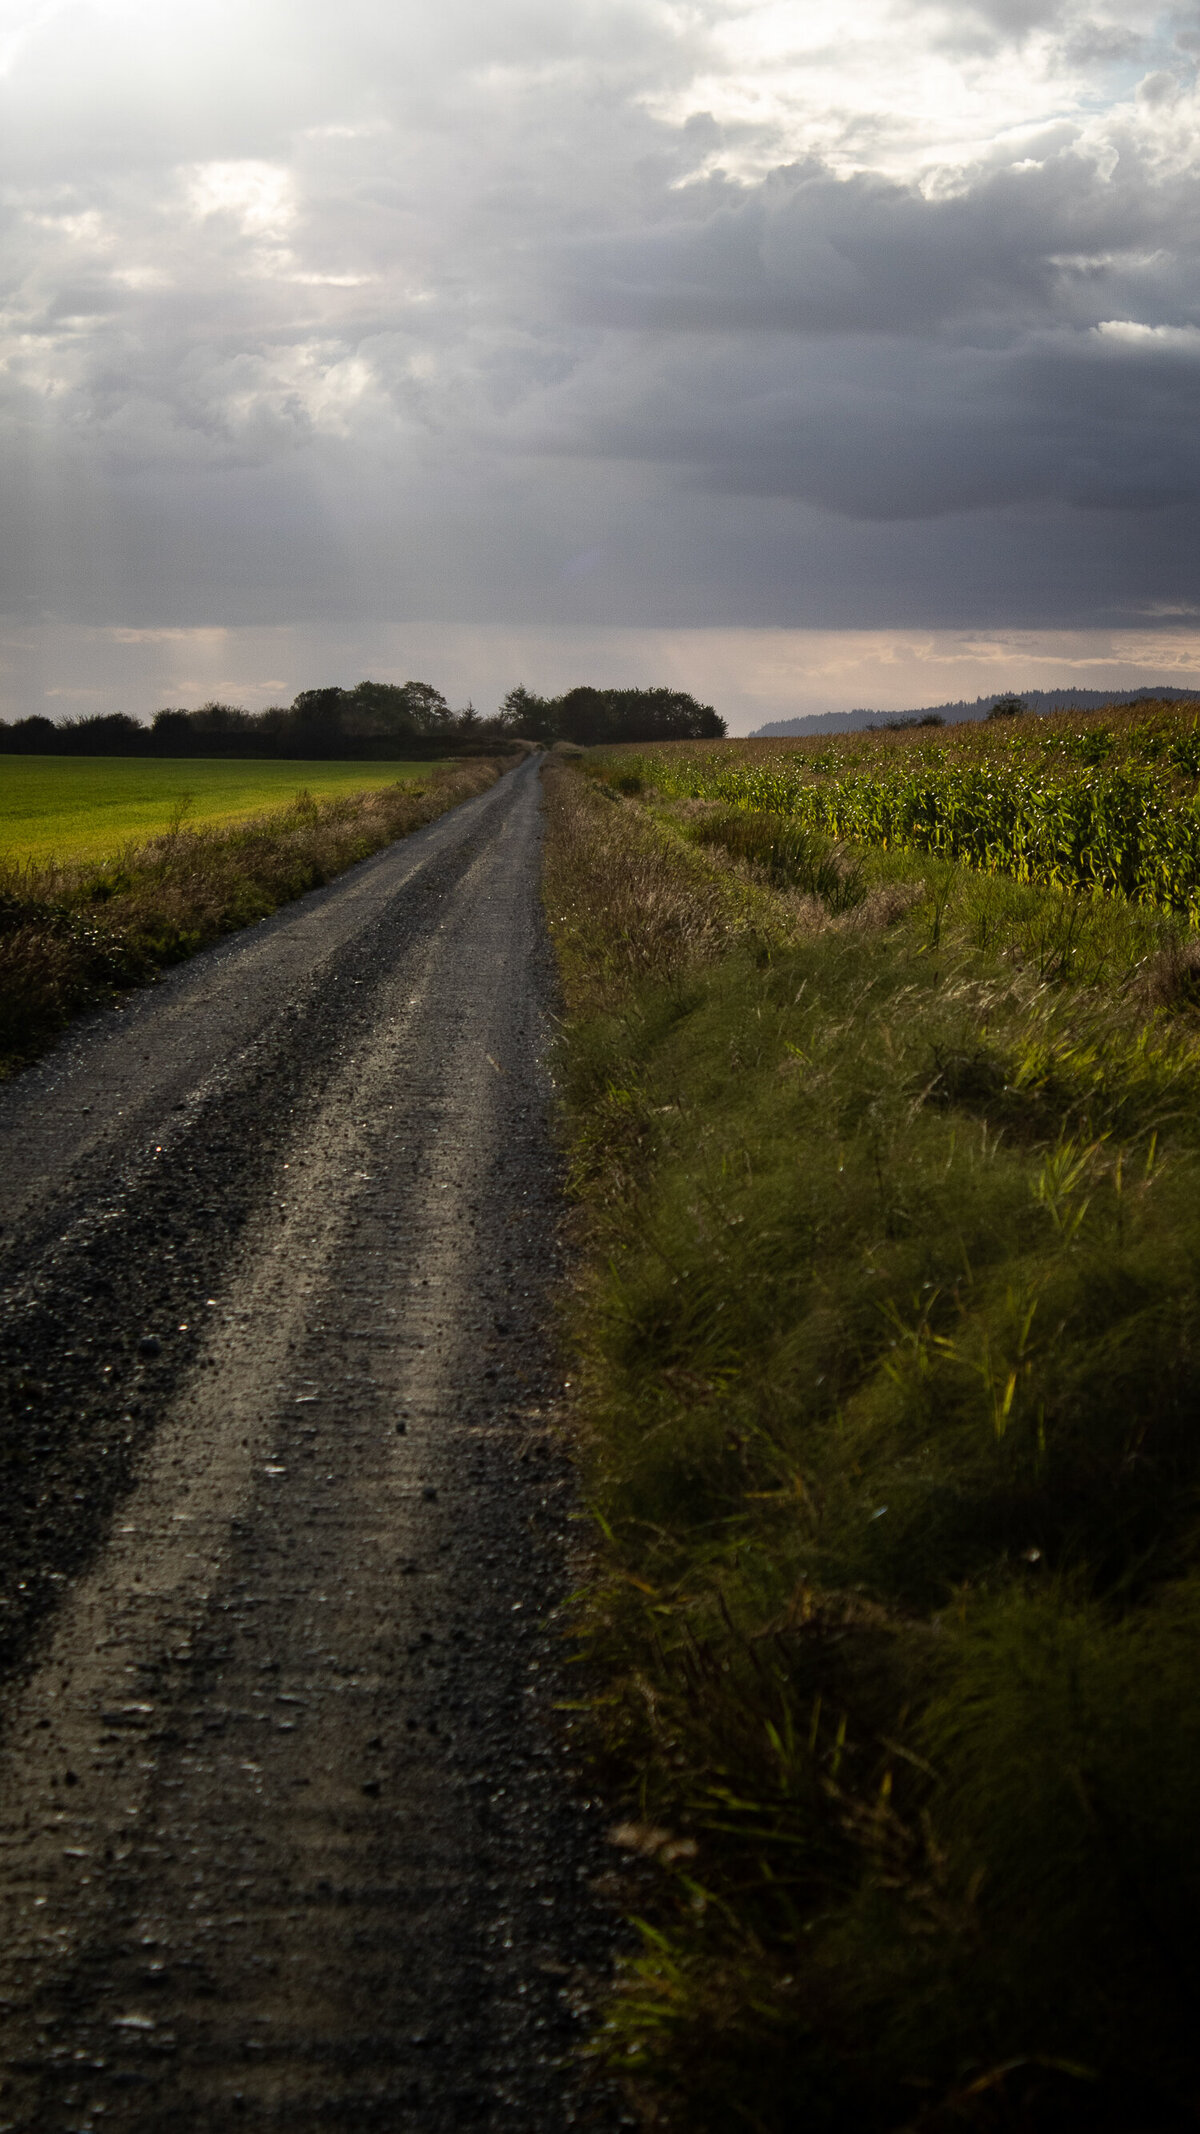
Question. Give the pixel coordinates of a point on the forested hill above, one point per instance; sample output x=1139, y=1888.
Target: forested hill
x=1038, y=700
x=372, y=721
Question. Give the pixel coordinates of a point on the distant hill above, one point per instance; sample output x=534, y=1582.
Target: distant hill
x=1038, y=700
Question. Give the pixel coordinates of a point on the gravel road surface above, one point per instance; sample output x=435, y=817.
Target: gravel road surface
x=288, y=1832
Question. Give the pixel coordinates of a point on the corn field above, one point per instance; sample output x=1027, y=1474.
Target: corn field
x=1105, y=801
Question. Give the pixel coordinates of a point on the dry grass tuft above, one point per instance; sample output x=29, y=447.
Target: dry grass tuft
x=1170, y=979
x=885, y=905
x=629, y=902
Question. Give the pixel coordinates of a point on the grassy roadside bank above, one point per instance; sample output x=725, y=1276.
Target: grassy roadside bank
x=72, y=935
x=889, y=1383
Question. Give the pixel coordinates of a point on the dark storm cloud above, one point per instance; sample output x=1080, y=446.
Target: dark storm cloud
x=1053, y=241
x=1033, y=339
x=413, y=309
x=888, y=431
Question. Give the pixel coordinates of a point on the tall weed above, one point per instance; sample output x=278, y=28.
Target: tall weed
x=791, y=855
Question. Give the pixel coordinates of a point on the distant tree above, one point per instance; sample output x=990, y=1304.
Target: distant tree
x=638, y=715
x=530, y=717
x=586, y=716
x=591, y=716
x=322, y=720
x=429, y=706
x=222, y=729
x=213, y=729
x=104, y=733
x=217, y=718
x=271, y=730
x=171, y=732
x=664, y=715
x=395, y=709
x=377, y=711
x=1008, y=708
x=374, y=719
x=315, y=725
x=34, y=736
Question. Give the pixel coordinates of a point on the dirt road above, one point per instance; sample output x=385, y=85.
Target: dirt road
x=286, y=1836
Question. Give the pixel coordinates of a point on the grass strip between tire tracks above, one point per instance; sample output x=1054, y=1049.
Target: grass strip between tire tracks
x=888, y=1376
x=71, y=936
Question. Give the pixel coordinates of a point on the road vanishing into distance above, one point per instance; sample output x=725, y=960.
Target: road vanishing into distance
x=289, y=1836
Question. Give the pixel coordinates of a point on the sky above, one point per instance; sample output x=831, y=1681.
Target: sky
x=802, y=356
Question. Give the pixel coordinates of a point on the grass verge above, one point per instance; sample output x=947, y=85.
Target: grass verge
x=72, y=935
x=889, y=1378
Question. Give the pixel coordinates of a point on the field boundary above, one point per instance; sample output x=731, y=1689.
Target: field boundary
x=83, y=811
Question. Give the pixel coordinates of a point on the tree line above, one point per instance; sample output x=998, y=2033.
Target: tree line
x=374, y=720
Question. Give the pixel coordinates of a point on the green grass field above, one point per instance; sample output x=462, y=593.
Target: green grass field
x=87, y=807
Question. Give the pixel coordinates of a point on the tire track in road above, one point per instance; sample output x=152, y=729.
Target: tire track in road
x=286, y=1837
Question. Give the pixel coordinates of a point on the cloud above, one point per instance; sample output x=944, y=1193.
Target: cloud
x=1051, y=240
x=618, y=313
x=884, y=429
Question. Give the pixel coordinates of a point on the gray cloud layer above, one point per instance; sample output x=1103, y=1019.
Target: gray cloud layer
x=485, y=315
